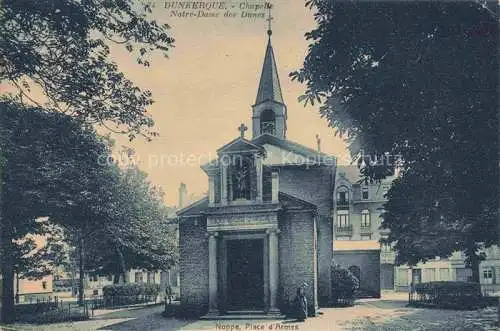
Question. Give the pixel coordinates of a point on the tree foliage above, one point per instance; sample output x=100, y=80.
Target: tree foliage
x=50, y=168
x=417, y=80
x=133, y=232
x=61, y=48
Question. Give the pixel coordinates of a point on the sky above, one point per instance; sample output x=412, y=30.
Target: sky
x=206, y=88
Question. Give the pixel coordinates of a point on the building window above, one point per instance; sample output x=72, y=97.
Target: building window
x=489, y=276
x=138, y=277
x=386, y=248
x=342, y=220
x=110, y=278
x=44, y=285
x=364, y=193
x=151, y=277
x=365, y=219
x=343, y=196
x=366, y=237
x=267, y=122
x=342, y=238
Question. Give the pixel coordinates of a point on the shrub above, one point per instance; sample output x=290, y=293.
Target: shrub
x=128, y=294
x=131, y=290
x=344, y=286
x=454, y=295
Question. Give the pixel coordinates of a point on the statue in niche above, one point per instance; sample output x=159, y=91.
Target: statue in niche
x=241, y=179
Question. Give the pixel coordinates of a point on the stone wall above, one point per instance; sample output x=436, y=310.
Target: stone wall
x=296, y=246
x=193, y=265
x=315, y=185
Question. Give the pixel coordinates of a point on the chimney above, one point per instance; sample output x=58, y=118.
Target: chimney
x=182, y=195
x=318, y=142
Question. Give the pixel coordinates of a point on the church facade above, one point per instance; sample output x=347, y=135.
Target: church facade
x=265, y=227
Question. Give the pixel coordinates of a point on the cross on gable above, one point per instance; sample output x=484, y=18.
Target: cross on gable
x=242, y=128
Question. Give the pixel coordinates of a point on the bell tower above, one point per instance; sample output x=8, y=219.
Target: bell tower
x=269, y=110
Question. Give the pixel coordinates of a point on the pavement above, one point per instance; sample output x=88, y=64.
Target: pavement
x=387, y=314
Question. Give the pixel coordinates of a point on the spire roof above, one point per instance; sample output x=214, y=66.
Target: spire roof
x=269, y=85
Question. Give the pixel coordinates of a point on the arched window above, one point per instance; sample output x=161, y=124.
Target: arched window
x=267, y=122
x=355, y=271
x=342, y=196
x=365, y=218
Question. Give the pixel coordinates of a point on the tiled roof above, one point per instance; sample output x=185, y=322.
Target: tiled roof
x=292, y=147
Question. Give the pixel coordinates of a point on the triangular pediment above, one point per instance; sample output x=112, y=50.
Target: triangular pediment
x=240, y=145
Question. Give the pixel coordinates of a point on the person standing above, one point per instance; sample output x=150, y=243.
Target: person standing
x=300, y=304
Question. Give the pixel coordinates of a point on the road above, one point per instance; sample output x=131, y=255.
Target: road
x=386, y=314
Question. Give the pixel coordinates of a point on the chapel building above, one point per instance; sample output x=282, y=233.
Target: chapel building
x=265, y=227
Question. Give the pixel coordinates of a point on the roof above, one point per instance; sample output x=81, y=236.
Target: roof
x=286, y=202
x=291, y=146
x=240, y=144
x=353, y=175
x=349, y=172
x=194, y=209
x=269, y=85
x=356, y=245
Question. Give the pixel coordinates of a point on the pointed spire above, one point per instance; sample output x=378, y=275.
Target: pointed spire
x=269, y=85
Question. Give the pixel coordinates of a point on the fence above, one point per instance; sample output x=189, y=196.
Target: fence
x=100, y=302
x=50, y=310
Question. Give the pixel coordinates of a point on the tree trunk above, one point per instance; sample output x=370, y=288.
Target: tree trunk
x=122, y=265
x=81, y=287
x=116, y=278
x=17, y=287
x=7, y=274
x=474, y=264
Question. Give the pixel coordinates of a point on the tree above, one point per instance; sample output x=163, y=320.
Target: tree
x=416, y=82
x=135, y=233
x=61, y=49
x=50, y=176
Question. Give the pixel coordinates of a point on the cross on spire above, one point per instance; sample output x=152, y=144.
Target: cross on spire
x=242, y=128
x=269, y=19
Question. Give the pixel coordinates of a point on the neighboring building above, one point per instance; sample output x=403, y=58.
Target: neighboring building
x=356, y=218
x=32, y=289
x=26, y=290
x=264, y=229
